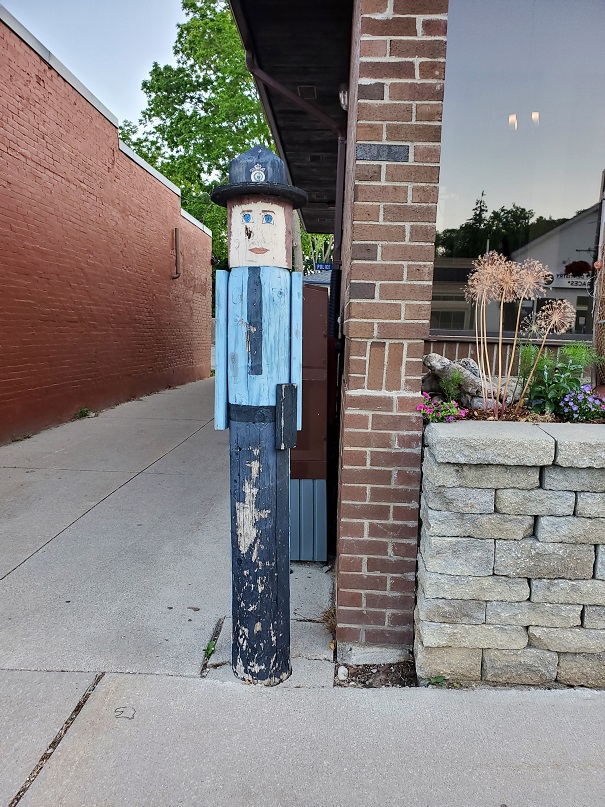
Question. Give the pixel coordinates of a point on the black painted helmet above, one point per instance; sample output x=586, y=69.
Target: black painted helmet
x=258, y=171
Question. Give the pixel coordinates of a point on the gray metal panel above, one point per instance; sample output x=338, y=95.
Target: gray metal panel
x=306, y=519
x=295, y=519
x=320, y=525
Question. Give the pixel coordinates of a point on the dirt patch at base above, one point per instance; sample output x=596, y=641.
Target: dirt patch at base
x=369, y=676
x=524, y=415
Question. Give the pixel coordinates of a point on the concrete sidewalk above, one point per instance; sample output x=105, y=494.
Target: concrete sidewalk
x=114, y=567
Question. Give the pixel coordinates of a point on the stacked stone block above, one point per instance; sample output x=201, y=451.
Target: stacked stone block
x=511, y=568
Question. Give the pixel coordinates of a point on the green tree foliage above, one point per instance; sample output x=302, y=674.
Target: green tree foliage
x=505, y=229
x=200, y=113
x=317, y=248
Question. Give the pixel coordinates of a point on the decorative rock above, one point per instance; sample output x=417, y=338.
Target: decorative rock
x=457, y=555
x=592, y=479
x=586, y=670
x=479, y=476
x=435, y=634
x=461, y=500
x=568, y=640
x=529, y=666
x=490, y=443
x=532, y=558
x=455, y=663
x=444, y=523
x=570, y=529
x=590, y=505
x=533, y=613
x=594, y=617
x=585, y=592
x=469, y=612
x=343, y=673
x=535, y=502
x=469, y=381
x=579, y=445
x=459, y=587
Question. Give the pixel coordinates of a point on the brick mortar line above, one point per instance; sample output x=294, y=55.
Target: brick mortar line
x=417, y=60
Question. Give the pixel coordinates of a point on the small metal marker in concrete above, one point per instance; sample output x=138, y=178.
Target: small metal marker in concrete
x=258, y=397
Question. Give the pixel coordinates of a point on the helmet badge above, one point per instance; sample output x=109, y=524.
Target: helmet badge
x=257, y=174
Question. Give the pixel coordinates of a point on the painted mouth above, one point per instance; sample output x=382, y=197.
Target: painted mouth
x=259, y=250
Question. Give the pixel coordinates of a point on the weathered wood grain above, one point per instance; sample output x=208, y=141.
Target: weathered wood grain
x=220, y=350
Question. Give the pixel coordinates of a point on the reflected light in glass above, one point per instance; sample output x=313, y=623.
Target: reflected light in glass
x=535, y=116
x=512, y=122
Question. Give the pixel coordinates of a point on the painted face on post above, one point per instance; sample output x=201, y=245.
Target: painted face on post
x=260, y=231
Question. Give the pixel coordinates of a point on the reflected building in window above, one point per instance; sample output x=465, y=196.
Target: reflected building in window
x=523, y=147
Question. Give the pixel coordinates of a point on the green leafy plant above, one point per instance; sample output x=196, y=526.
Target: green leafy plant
x=556, y=316
x=554, y=376
x=209, y=649
x=450, y=386
x=438, y=680
x=551, y=385
x=437, y=411
x=583, y=354
x=84, y=412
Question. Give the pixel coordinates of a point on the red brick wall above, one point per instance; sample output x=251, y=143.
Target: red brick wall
x=396, y=99
x=89, y=314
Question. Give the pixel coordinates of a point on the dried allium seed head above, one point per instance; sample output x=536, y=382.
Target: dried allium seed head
x=531, y=328
x=490, y=279
x=508, y=281
x=557, y=316
x=533, y=276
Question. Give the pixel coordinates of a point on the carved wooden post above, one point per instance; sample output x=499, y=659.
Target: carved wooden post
x=258, y=397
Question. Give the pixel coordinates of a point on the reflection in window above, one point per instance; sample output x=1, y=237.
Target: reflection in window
x=523, y=143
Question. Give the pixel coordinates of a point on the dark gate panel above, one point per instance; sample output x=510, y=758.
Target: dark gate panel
x=308, y=527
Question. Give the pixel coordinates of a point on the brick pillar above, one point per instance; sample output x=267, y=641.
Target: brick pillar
x=396, y=95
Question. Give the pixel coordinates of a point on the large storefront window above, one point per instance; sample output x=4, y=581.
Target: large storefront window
x=523, y=150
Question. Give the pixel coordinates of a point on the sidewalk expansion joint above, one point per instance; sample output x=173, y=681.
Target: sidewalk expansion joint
x=90, y=509
x=55, y=743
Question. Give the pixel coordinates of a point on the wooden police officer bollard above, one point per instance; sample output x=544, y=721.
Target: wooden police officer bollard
x=258, y=397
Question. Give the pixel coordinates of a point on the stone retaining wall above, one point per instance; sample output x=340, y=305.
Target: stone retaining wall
x=511, y=568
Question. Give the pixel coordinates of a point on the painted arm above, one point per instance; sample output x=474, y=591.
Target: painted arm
x=296, y=342
x=220, y=350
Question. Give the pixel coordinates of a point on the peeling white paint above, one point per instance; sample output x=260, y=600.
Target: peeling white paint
x=247, y=515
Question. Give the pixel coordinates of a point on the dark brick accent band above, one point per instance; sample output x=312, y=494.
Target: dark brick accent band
x=382, y=152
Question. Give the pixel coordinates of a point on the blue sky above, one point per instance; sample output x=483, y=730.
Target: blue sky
x=109, y=45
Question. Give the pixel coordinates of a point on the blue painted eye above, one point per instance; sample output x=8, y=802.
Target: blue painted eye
x=268, y=218
x=247, y=217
